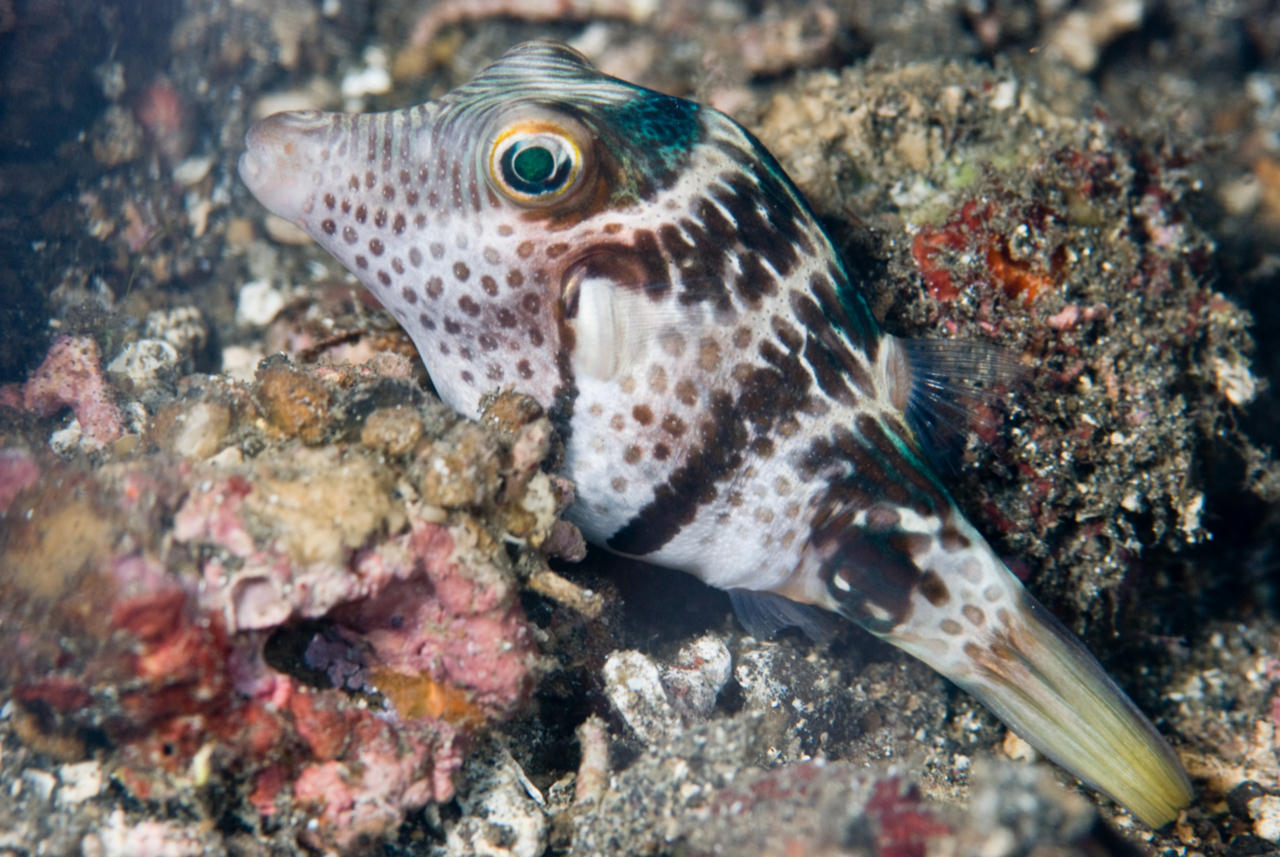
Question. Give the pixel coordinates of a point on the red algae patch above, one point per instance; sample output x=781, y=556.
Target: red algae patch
x=970, y=232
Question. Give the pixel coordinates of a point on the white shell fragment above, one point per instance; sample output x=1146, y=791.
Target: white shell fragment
x=693, y=680
x=634, y=686
x=145, y=363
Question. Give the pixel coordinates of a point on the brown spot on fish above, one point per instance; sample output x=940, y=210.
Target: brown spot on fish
x=657, y=379
x=934, y=589
x=708, y=354
x=952, y=539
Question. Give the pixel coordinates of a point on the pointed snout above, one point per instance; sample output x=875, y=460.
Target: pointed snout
x=281, y=164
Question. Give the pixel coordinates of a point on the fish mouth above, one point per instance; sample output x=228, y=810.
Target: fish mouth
x=280, y=164
x=1037, y=677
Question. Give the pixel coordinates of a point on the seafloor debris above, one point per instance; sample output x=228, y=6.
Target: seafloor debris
x=323, y=619
x=133, y=208
x=1065, y=241
x=732, y=42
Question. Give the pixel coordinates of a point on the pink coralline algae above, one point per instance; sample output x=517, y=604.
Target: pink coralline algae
x=147, y=604
x=71, y=376
x=18, y=471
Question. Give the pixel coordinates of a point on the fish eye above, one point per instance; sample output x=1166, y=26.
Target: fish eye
x=533, y=164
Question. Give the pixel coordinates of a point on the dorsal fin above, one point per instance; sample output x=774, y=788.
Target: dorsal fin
x=948, y=389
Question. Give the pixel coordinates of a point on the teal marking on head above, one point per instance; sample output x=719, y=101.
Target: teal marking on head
x=656, y=122
x=656, y=133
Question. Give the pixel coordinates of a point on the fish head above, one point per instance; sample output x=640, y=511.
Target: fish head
x=545, y=222
x=477, y=219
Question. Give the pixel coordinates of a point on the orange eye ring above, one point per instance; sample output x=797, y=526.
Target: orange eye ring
x=533, y=163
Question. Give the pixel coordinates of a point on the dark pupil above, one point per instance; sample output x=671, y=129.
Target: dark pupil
x=532, y=169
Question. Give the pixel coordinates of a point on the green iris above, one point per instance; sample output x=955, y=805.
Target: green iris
x=537, y=167
x=533, y=164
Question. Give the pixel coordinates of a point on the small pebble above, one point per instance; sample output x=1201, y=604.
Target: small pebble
x=182, y=327
x=373, y=79
x=80, y=781
x=144, y=363
x=394, y=431
x=258, y=303
x=634, y=686
x=192, y=170
x=1238, y=799
x=1265, y=811
x=593, y=769
x=240, y=363
x=117, y=138
x=38, y=782
x=201, y=430
x=294, y=402
x=697, y=675
x=70, y=439
x=501, y=816
x=1082, y=34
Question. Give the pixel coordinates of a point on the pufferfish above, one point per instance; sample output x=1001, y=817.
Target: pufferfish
x=642, y=267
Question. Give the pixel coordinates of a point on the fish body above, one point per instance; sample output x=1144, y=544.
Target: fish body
x=643, y=267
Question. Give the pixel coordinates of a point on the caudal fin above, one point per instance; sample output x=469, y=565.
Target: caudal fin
x=1037, y=677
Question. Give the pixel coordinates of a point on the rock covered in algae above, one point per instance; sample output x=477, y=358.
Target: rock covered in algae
x=273, y=606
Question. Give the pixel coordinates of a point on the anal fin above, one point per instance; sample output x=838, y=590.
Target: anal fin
x=764, y=614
